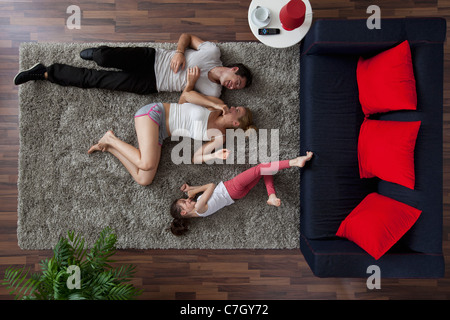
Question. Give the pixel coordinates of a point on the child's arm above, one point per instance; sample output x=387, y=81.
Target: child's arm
x=202, y=204
x=191, y=191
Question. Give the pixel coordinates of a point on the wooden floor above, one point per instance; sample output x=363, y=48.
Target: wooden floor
x=192, y=274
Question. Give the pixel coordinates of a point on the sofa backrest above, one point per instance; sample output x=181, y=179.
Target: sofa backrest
x=353, y=37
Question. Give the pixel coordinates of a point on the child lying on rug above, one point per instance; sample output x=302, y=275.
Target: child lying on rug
x=157, y=121
x=215, y=197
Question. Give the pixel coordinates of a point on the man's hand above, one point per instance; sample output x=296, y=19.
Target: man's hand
x=192, y=76
x=178, y=62
x=185, y=41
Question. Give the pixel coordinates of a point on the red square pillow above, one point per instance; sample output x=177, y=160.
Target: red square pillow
x=377, y=223
x=386, y=150
x=386, y=81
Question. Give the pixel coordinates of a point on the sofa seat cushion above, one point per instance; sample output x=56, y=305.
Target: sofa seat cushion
x=332, y=187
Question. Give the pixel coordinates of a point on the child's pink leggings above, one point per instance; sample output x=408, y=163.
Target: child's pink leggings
x=239, y=186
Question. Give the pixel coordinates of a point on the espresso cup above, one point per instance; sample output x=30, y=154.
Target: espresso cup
x=261, y=14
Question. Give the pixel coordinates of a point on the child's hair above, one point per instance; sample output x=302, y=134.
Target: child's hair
x=179, y=225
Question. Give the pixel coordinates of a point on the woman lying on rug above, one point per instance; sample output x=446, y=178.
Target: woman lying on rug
x=158, y=121
x=215, y=197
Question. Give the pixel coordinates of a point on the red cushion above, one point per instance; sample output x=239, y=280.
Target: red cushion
x=377, y=223
x=386, y=151
x=386, y=81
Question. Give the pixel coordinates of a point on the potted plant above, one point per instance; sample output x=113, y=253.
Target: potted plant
x=75, y=273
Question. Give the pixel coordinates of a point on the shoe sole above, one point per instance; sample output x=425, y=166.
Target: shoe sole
x=25, y=71
x=90, y=57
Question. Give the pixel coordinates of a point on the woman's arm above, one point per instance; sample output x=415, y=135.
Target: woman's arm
x=205, y=153
x=202, y=204
x=192, y=76
x=204, y=101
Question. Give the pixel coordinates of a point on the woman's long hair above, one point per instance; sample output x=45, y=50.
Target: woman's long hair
x=246, y=121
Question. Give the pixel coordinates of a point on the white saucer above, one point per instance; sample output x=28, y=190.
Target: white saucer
x=258, y=23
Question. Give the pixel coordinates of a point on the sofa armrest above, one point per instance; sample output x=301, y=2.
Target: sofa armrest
x=353, y=37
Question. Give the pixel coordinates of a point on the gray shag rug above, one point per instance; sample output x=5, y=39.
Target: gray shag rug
x=62, y=188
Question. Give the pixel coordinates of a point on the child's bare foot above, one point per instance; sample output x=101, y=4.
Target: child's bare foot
x=301, y=161
x=103, y=143
x=273, y=201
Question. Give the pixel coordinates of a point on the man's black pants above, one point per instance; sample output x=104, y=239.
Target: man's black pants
x=136, y=64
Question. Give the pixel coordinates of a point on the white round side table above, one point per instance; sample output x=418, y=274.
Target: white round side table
x=285, y=38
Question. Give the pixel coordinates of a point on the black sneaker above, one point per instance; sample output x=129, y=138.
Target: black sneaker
x=36, y=72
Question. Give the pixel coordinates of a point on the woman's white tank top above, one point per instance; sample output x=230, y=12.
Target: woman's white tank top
x=189, y=120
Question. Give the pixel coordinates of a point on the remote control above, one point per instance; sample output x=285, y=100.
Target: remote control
x=268, y=31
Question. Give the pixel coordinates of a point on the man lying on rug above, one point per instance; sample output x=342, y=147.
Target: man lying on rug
x=215, y=197
x=147, y=70
x=195, y=116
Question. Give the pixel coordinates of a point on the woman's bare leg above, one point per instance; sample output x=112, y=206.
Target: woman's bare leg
x=141, y=163
x=140, y=176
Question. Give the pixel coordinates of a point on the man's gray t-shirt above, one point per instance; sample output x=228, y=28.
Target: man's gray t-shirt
x=206, y=57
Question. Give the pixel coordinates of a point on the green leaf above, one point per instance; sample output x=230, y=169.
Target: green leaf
x=78, y=248
x=124, y=273
x=76, y=296
x=62, y=252
x=123, y=292
x=103, y=249
x=16, y=279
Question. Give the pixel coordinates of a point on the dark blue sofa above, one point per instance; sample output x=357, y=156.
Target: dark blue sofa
x=330, y=119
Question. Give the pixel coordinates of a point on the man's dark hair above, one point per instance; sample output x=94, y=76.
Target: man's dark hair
x=243, y=72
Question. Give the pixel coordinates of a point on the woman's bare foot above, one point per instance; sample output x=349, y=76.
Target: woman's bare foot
x=103, y=143
x=301, y=161
x=273, y=200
